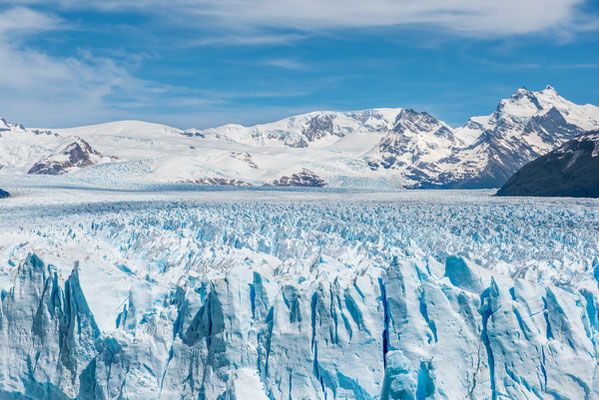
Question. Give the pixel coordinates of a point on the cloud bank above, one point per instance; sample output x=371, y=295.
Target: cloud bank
x=466, y=17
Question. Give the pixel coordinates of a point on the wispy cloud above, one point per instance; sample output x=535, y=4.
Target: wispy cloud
x=18, y=21
x=576, y=66
x=465, y=17
x=506, y=66
x=48, y=90
x=247, y=39
x=286, y=63
x=40, y=87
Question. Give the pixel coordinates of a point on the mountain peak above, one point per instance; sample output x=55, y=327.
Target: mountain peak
x=523, y=103
x=522, y=92
x=75, y=155
x=7, y=126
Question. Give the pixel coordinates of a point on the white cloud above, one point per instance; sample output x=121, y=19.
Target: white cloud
x=246, y=39
x=21, y=20
x=39, y=88
x=473, y=17
x=42, y=90
x=576, y=66
x=286, y=63
x=466, y=17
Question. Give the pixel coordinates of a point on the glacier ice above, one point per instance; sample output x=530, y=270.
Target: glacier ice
x=294, y=295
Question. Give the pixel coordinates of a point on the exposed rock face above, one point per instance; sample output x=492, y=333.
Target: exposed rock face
x=414, y=137
x=320, y=126
x=415, y=145
x=72, y=157
x=246, y=158
x=4, y=194
x=217, y=181
x=192, y=133
x=551, y=127
x=46, y=132
x=571, y=170
x=305, y=178
x=5, y=126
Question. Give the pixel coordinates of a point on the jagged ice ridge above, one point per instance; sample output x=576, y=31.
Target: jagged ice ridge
x=297, y=295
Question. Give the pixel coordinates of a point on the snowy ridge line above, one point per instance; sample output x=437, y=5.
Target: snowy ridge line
x=378, y=148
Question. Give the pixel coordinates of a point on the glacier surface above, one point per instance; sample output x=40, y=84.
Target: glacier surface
x=245, y=294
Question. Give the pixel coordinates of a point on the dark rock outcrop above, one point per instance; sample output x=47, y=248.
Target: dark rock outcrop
x=218, y=181
x=305, y=178
x=245, y=157
x=320, y=126
x=4, y=194
x=572, y=170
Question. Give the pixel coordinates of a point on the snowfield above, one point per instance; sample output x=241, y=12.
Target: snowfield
x=158, y=292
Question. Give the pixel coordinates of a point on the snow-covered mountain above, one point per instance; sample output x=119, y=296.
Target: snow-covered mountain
x=7, y=127
x=316, y=130
x=72, y=157
x=371, y=148
x=414, y=146
x=522, y=128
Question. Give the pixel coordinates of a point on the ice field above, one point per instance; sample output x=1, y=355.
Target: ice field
x=157, y=292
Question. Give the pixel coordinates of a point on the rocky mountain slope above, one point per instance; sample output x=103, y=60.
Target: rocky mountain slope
x=390, y=148
x=74, y=156
x=571, y=170
x=7, y=127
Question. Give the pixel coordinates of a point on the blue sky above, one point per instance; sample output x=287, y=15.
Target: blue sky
x=202, y=63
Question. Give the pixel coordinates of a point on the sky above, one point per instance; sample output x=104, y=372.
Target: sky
x=205, y=63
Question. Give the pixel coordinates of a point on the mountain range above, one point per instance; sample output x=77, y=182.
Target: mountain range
x=391, y=148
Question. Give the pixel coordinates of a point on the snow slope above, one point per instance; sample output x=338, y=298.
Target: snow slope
x=292, y=295
x=377, y=148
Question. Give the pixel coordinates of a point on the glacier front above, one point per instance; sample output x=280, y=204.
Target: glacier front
x=247, y=294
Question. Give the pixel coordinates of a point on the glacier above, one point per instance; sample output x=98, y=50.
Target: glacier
x=294, y=294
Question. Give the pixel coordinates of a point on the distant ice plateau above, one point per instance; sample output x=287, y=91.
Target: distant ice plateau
x=274, y=294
